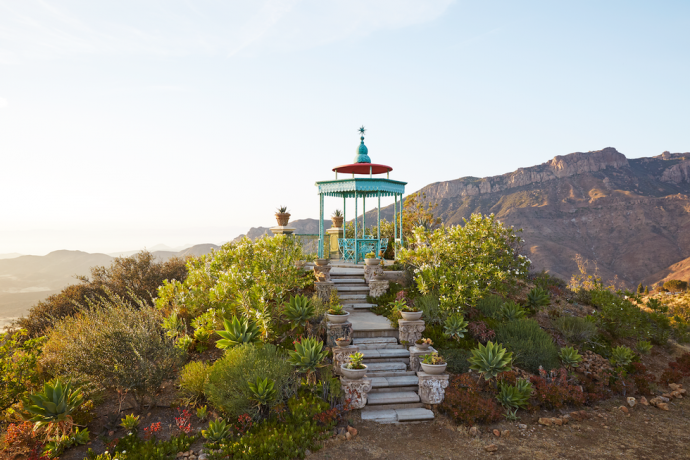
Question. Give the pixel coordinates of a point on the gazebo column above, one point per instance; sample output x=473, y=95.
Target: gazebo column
x=356, y=219
x=364, y=215
x=322, y=238
x=395, y=225
x=401, y=221
x=378, y=218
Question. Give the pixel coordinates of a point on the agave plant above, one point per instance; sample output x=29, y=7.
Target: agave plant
x=455, y=326
x=218, y=430
x=263, y=392
x=52, y=407
x=515, y=396
x=570, y=357
x=490, y=360
x=538, y=297
x=308, y=357
x=299, y=311
x=621, y=356
x=237, y=332
x=511, y=311
x=644, y=346
x=282, y=209
x=337, y=213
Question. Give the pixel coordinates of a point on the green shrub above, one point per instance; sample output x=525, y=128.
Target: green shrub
x=510, y=311
x=19, y=371
x=228, y=388
x=193, y=379
x=430, y=307
x=533, y=347
x=457, y=359
x=490, y=306
x=575, y=329
x=490, y=360
x=465, y=263
x=676, y=285
x=116, y=345
x=134, y=448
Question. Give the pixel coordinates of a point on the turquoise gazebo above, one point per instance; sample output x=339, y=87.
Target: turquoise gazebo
x=354, y=249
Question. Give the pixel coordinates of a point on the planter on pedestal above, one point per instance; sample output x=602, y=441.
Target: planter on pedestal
x=411, y=315
x=283, y=218
x=434, y=369
x=337, y=319
x=353, y=374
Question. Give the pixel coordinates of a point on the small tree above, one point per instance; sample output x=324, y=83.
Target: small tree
x=675, y=285
x=646, y=290
x=640, y=289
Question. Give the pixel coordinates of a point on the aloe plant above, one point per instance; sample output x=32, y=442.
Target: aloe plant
x=52, y=407
x=621, y=356
x=511, y=311
x=218, y=430
x=570, y=357
x=538, y=297
x=490, y=360
x=337, y=213
x=299, y=311
x=263, y=392
x=130, y=422
x=515, y=396
x=282, y=209
x=644, y=346
x=455, y=326
x=308, y=357
x=237, y=332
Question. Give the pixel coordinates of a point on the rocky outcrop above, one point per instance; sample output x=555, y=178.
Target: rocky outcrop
x=677, y=173
x=559, y=167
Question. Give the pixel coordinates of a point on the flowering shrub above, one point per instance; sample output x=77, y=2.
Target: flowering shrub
x=465, y=404
x=151, y=430
x=244, y=424
x=464, y=263
x=249, y=279
x=184, y=421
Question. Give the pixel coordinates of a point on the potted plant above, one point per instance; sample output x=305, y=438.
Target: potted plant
x=337, y=218
x=337, y=315
x=433, y=364
x=354, y=370
x=343, y=341
x=370, y=259
x=423, y=344
x=283, y=216
x=321, y=262
x=407, y=313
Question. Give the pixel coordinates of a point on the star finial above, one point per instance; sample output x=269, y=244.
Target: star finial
x=362, y=130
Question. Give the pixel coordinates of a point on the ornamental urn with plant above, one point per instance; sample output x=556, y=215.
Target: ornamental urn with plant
x=282, y=216
x=355, y=369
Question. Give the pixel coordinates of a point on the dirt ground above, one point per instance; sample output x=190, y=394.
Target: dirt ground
x=646, y=433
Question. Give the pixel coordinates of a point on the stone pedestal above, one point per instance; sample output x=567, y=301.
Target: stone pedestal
x=334, y=233
x=410, y=331
x=356, y=391
x=416, y=357
x=378, y=288
x=341, y=355
x=322, y=273
x=323, y=289
x=432, y=388
x=337, y=330
x=282, y=230
x=371, y=271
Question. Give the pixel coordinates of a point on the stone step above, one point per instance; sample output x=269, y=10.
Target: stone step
x=361, y=306
x=413, y=388
x=386, y=360
x=398, y=397
x=393, y=333
x=374, y=340
x=353, y=297
x=398, y=415
x=395, y=381
x=386, y=367
x=352, y=288
x=347, y=272
x=352, y=281
x=390, y=374
x=386, y=353
x=378, y=346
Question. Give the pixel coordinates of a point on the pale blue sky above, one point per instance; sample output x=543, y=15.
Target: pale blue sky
x=125, y=124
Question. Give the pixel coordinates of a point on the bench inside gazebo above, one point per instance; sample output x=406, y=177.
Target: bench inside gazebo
x=354, y=249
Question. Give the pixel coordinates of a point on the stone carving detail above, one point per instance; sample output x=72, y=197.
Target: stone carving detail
x=432, y=387
x=371, y=271
x=323, y=290
x=378, y=288
x=410, y=331
x=356, y=391
x=337, y=330
x=322, y=273
x=341, y=355
x=416, y=357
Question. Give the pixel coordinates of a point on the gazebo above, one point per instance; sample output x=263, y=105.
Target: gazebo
x=354, y=249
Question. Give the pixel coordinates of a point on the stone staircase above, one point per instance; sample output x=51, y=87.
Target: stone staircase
x=394, y=395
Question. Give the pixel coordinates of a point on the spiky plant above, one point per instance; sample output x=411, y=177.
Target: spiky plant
x=515, y=396
x=263, y=392
x=218, y=430
x=644, y=346
x=299, y=310
x=237, y=331
x=51, y=408
x=490, y=360
x=455, y=326
x=570, y=357
x=511, y=311
x=308, y=357
x=621, y=356
x=538, y=297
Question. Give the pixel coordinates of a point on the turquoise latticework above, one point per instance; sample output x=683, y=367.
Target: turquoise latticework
x=383, y=245
x=362, y=186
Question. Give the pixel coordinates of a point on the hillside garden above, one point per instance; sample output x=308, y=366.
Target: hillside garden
x=228, y=357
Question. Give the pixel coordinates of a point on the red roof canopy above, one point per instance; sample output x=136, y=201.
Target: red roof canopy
x=363, y=168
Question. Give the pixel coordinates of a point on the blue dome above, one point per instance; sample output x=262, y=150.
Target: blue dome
x=362, y=153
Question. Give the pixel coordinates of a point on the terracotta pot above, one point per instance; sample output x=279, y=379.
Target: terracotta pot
x=283, y=218
x=373, y=261
x=411, y=315
x=337, y=319
x=343, y=343
x=337, y=222
x=434, y=369
x=353, y=374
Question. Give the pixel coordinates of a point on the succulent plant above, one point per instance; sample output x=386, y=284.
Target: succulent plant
x=237, y=331
x=515, y=396
x=308, y=357
x=263, y=392
x=621, y=356
x=433, y=359
x=511, y=311
x=52, y=407
x=218, y=430
x=490, y=360
x=570, y=357
x=356, y=361
x=455, y=326
x=644, y=346
x=538, y=297
x=282, y=209
x=130, y=422
x=299, y=310
x=337, y=213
